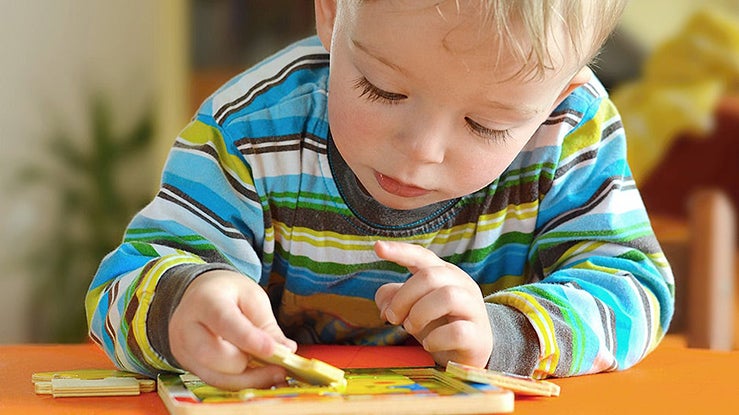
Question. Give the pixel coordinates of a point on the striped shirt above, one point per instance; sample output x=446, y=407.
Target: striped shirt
x=560, y=244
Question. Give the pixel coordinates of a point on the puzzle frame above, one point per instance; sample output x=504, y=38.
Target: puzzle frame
x=389, y=391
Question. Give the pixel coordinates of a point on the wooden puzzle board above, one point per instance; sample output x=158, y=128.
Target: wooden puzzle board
x=370, y=391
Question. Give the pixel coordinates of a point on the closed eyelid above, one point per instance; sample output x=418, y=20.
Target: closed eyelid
x=373, y=93
x=486, y=132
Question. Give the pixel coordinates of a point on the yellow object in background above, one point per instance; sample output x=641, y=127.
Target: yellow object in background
x=683, y=81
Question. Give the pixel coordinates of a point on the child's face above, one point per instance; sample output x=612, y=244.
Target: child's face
x=418, y=107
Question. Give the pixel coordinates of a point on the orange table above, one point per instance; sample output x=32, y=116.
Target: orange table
x=672, y=380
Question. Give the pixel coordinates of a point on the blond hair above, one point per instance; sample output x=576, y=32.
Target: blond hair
x=587, y=24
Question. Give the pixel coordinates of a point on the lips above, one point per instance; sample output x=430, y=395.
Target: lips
x=398, y=188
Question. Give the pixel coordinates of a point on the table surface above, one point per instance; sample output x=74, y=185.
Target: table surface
x=673, y=379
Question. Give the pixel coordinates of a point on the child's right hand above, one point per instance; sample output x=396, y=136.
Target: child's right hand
x=222, y=320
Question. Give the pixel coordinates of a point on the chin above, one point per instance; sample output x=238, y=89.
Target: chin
x=401, y=203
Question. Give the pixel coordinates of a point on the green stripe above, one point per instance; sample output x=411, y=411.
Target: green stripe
x=335, y=268
x=479, y=254
x=572, y=320
x=144, y=249
x=629, y=233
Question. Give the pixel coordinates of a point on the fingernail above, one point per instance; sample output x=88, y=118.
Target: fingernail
x=390, y=316
x=408, y=326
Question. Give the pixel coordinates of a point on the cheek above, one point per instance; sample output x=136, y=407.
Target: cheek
x=472, y=176
x=355, y=121
x=476, y=167
x=347, y=119
x=350, y=129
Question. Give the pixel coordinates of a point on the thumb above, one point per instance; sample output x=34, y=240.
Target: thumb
x=255, y=305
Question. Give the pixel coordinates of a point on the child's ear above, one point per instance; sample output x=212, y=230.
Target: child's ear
x=325, y=18
x=581, y=77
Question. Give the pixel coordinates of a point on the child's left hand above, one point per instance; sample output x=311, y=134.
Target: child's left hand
x=440, y=305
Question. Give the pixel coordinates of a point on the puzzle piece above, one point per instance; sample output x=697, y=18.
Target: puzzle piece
x=311, y=371
x=91, y=382
x=518, y=384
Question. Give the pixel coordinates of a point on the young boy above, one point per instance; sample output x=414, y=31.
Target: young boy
x=448, y=172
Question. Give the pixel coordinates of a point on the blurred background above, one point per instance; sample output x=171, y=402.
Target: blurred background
x=93, y=93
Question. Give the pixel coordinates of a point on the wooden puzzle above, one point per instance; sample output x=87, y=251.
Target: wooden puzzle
x=387, y=391
x=315, y=387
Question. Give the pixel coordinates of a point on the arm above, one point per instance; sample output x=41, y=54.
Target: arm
x=602, y=293
x=206, y=218
x=606, y=293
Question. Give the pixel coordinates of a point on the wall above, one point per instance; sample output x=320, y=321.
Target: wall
x=652, y=21
x=54, y=55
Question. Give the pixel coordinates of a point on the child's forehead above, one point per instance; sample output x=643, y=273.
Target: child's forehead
x=444, y=9
x=465, y=29
x=446, y=18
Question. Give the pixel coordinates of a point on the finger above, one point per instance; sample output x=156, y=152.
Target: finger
x=384, y=295
x=461, y=341
x=454, y=335
x=258, y=377
x=421, y=284
x=257, y=307
x=268, y=323
x=233, y=326
x=425, y=315
x=421, y=334
x=408, y=255
x=202, y=349
x=450, y=302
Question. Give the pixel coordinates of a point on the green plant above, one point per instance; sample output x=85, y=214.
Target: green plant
x=91, y=210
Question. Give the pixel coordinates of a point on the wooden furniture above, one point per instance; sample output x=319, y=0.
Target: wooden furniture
x=673, y=379
x=692, y=197
x=712, y=303
x=702, y=252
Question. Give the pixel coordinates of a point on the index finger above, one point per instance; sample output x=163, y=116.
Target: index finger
x=408, y=255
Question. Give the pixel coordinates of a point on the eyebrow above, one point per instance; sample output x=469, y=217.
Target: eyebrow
x=368, y=51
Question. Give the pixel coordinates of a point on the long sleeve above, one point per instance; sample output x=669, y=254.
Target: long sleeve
x=601, y=295
x=205, y=216
x=229, y=185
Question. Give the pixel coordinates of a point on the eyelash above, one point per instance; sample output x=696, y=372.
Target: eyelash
x=485, y=132
x=375, y=94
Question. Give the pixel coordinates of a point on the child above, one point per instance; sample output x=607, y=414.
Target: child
x=453, y=175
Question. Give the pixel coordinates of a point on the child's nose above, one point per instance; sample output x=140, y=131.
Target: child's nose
x=425, y=144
